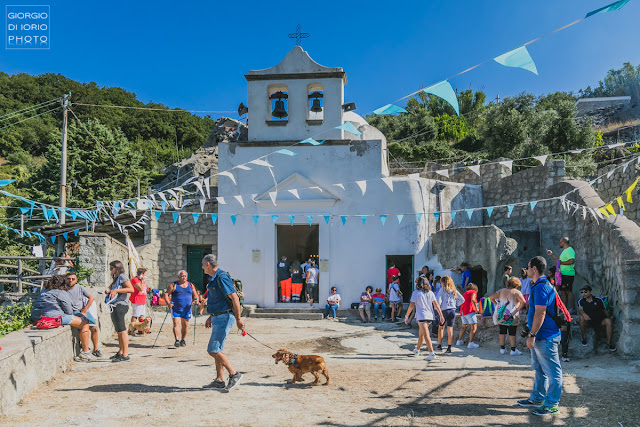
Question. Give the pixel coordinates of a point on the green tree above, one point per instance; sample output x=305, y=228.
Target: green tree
x=624, y=81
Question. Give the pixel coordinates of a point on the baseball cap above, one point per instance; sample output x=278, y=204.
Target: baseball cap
x=586, y=288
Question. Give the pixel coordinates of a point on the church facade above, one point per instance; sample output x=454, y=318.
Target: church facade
x=335, y=202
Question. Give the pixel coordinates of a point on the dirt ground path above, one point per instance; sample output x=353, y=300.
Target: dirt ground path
x=375, y=380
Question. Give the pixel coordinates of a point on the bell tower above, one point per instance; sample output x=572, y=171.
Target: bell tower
x=295, y=100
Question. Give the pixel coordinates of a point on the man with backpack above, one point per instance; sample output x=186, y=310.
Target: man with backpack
x=223, y=306
x=543, y=340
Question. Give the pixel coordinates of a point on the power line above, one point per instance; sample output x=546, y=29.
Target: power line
x=32, y=117
x=166, y=110
x=94, y=138
x=25, y=110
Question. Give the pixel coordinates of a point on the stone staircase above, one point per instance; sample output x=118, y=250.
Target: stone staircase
x=287, y=313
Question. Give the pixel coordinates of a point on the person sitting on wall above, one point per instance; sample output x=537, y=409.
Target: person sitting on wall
x=54, y=301
x=365, y=304
x=84, y=307
x=593, y=314
x=333, y=302
x=379, y=302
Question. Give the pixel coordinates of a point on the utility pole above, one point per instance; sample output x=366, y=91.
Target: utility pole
x=138, y=188
x=497, y=99
x=63, y=168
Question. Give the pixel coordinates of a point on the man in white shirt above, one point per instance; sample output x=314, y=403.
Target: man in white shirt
x=333, y=302
x=395, y=298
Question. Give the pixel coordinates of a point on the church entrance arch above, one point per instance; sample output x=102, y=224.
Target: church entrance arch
x=298, y=243
x=404, y=263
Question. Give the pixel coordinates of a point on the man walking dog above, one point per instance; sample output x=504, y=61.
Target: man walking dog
x=223, y=306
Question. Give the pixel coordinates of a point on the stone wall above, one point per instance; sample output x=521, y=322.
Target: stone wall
x=96, y=251
x=165, y=250
x=615, y=186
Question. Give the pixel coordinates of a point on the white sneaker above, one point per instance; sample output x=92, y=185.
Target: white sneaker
x=416, y=352
x=472, y=345
x=86, y=356
x=503, y=351
x=459, y=343
x=515, y=352
x=431, y=356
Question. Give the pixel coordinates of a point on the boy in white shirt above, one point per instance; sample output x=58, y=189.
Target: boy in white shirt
x=425, y=303
x=395, y=298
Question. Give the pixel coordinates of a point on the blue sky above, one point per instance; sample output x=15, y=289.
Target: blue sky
x=194, y=54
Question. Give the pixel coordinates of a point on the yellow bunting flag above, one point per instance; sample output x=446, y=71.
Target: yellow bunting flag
x=620, y=204
x=630, y=190
x=604, y=212
x=610, y=209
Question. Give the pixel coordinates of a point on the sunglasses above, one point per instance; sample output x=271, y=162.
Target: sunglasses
x=584, y=292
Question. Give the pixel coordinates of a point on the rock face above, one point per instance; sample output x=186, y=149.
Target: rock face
x=205, y=159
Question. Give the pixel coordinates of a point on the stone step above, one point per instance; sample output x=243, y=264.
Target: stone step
x=288, y=310
x=297, y=316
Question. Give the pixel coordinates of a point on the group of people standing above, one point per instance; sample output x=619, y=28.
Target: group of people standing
x=294, y=278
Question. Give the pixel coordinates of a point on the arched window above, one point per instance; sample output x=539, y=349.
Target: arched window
x=278, y=98
x=315, y=114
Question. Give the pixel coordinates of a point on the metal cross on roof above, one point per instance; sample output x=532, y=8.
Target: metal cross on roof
x=298, y=35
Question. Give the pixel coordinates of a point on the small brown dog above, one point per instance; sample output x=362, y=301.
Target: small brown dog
x=143, y=325
x=300, y=365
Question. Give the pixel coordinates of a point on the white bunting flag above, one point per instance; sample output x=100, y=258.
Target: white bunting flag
x=295, y=193
x=202, y=202
x=619, y=144
x=610, y=173
x=597, y=211
x=443, y=172
x=415, y=176
x=162, y=196
x=261, y=163
x=507, y=163
x=542, y=159
x=173, y=204
x=221, y=200
x=273, y=195
x=577, y=151
x=316, y=188
x=388, y=182
x=133, y=213
x=584, y=212
x=475, y=169
x=339, y=185
x=253, y=196
x=173, y=193
x=207, y=186
x=243, y=167
x=228, y=174
x=239, y=199
x=363, y=186
x=625, y=166
x=200, y=189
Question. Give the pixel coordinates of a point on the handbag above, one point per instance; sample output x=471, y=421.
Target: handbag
x=49, y=322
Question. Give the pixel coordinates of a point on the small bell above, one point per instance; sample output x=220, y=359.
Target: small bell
x=315, y=107
x=278, y=110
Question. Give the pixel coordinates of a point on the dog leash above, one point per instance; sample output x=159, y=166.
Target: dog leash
x=256, y=340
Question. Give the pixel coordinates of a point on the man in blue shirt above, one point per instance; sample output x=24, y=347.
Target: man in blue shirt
x=223, y=306
x=466, y=276
x=543, y=340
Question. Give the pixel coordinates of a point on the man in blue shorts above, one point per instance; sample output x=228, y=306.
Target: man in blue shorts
x=183, y=295
x=223, y=306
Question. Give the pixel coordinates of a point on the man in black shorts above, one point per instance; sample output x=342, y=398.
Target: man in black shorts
x=594, y=314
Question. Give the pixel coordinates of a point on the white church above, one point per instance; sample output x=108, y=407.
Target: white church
x=334, y=192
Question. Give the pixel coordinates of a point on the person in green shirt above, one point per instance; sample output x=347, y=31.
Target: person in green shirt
x=568, y=270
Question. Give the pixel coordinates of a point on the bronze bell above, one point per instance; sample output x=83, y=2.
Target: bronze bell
x=315, y=107
x=278, y=110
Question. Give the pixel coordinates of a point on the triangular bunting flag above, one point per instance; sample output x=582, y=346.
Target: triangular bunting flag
x=507, y=163
x=158, y=215
x=584, y=212
x=363, y=186
x=202, y=202
x=418, y=217
x=518, y=58
x=510, y=209
x=286, y=152
x=53, y=239
x=243, y=167
x=239, y=199
x=195, y=217
x=620, y=204
x=383, y=219
x=469, y=213
x=23, y=211
x=489, y=211
x=207, y=186
x=229, y=175
x=629, y=190
x=603, y=211
x=273, y=195
x=45, y=212
x=363, y=218
x=443, y=172
x=310, y=141
x=175, y=215
x=233, y=219
x=133, y=213
x=609, y=208
x=65, y=235
x=453, y=215
x=198, y=184
x=389, y=109
x=310, y=219
x=295, y=193
x=609, y=8
x=446, y=92
x=291, y=219
x=349, y=127
x=625, y=166
x=388, y=182
x=261, y=163
x=475, y=169
x=214, y=218
x=344, y=219
x=255, y=219
x=163, y=205
x=437, y=215
x=533, y=205
x=610, y=173
x=399, y=216
x=327, y=218
x=274, y=218
x=542, y=159
x=339, y=185
x=75, y=232
x=221, y=201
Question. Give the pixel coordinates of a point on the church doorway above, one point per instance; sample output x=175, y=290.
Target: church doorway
x=298, y=243
x=404, y=263
x=194, y=266
x=479, y=278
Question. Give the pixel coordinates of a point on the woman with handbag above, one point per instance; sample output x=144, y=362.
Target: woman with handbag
x=117, y=300
x=508, y=302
